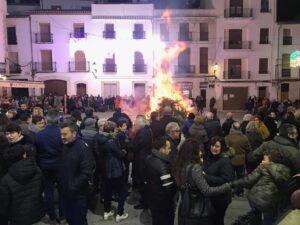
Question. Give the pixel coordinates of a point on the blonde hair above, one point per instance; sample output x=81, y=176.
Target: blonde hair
x=39, y=111
x=198, y=119
x=252, y=126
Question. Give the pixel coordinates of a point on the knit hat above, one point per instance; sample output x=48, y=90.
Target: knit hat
x=90, y=122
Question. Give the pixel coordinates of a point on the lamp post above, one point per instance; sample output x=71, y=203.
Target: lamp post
x=216, y=67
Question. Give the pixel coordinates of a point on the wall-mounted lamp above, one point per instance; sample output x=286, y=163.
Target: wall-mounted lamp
x=2, y=77
x=216, y=67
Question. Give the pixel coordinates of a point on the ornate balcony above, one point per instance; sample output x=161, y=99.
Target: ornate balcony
x=182, y=69
x=109, y=34
x=78, y=35
x=109, y=68
x=139, y=68
x=138, y=34
x=45, y=67
x=236, y=75
x=43, y=38
x=185, y=36
x=238, y=12
x=237, y=44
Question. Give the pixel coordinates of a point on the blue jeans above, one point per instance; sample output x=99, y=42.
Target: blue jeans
x=75, y=208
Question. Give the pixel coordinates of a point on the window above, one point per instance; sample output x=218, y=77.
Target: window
x=264, y=6
x=109, y=31
x=264, y=36
x=138, y=32
x=110, y=65
x=286, y=70
x=139, y=65
x=203, y=31
x=11, y=36
x=78, y=30
x=287, y=37
x=56, y=7
x=235, y=68
x=204, y=60
x=184, y=33
x=263, y=65
x=80, y=62
x=235, y=39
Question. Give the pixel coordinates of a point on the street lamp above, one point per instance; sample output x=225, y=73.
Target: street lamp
x=216, y=67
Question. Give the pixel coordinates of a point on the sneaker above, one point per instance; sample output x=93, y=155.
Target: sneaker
x=119, y=218
x=108, y=215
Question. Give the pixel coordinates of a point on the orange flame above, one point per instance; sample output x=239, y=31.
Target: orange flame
x=166, y=16
x=163, y=86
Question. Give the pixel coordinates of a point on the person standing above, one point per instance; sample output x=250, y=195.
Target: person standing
x=74, y=175
x=160, y=185
x=49, y=145
x=218, y=170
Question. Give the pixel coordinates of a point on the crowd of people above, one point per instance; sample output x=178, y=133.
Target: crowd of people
x=198, y=165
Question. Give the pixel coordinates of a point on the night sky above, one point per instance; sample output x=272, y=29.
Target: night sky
x=288, y=10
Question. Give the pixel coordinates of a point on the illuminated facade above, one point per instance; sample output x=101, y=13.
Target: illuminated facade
x=235, y=49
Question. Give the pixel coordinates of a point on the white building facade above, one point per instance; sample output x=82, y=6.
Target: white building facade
x=235, y=49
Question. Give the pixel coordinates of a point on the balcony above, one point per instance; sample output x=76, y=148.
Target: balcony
x=287, y=40
x=78, y=35
x=236, y=75
x=43, y=38
x=285, y=72
x=181, y=69
x=79, y=66
x=237, y=44
x=139, y=68
x=12, y=41
x=109, y=68
x=139, y=35
x=109, y=34
x=265, y=10
x=185, y=36
x=15, y=68
x=46, y=67
x=238, y=12
x=2, y=68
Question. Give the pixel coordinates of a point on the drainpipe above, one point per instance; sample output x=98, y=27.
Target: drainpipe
x=31, y=53
x=277, y=62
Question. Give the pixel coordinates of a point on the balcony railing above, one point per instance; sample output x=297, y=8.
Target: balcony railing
x=2, y=68
x=139, y=68
x=203, y=68
x=204, y=36
x=138, y=34
x=41, y=38
x=110, y=68
x=236, y=75
x=185, y=36
x=184, y=69
x=238, y=12
x=109, y=34
x=78, y=35
x=287, y=40
x=46, y=67
x=83, y=66
x=265, y=10
x=15, y=68
x=12, y=41
x=237, y=45
x=285, y=72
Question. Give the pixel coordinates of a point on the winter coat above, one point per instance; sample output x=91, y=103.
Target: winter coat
x=213, y=128
x=76, y=170
x=155, y=127
x=10, y=159
x=160, y=185
x=239, y=142
x=288, y=149
x=226, y=126
x=21, y=194
x=218, y=170
x=266, y=184
x=198, y=132
x=186, y=126
x=49, y=146
x=113, y=158
x=99, y=152
x=272, y=126
x=88, y=136
x=142, y=146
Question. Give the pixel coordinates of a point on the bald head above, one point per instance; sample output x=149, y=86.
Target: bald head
x=236, y=126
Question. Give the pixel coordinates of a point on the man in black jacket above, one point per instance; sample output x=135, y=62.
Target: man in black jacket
x=75, y=172
x=160, y=186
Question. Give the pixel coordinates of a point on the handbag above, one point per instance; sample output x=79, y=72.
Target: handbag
x=193, y=203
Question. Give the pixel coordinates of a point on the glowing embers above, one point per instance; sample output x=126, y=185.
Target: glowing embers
x=295, y=59
x=163, y=86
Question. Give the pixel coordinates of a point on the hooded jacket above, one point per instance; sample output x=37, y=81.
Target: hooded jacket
x=288, y=149
x=21, y=194
x=266, y=184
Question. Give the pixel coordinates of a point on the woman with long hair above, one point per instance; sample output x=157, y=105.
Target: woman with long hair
x=188, y=168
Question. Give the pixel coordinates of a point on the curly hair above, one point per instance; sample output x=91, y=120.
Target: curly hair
x=189, y=152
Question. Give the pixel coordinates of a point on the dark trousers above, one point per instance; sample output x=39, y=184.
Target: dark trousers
x=162, y=217
x=114, y=185
x=239, y=172
x=220, y=209
x=75, y=208
x=50, y=180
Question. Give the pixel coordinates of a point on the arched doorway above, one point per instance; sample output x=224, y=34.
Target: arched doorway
x=55, y=87
x=80, y=63
x=81, y=89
